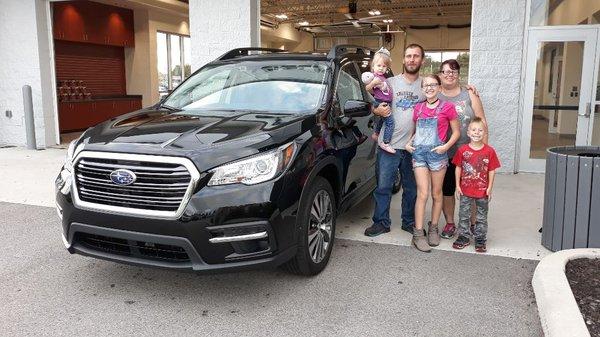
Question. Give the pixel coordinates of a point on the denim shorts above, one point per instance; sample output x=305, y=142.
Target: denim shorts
x=424, y=157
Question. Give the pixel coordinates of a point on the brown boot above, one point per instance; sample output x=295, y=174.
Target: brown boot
x=419, y=241
x=433, y=235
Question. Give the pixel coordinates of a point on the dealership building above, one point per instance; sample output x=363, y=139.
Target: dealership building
x=536, y=63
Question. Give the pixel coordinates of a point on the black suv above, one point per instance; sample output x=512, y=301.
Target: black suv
x=246, y=164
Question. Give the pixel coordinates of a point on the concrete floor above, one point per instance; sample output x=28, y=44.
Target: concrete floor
x=366, y=290
x=514, y=218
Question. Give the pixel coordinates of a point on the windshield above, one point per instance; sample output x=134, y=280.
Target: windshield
x=273, y=86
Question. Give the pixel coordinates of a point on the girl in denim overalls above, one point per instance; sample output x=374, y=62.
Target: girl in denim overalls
x=428, y=146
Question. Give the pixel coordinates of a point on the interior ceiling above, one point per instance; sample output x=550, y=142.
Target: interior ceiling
x=335, y=13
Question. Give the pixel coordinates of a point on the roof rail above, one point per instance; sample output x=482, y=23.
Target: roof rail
x=245, y=52
x=341, y=49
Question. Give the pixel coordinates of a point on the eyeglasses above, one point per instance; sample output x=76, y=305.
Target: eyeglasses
x=450, y=72
x=430, y=86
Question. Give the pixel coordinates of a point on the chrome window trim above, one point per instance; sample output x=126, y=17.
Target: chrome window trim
x=168, y=215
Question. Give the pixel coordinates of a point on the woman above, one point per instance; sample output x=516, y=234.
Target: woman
x=428, y=145
x=468, y=105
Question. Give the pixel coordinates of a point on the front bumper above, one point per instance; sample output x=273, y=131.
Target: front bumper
x=231, y=227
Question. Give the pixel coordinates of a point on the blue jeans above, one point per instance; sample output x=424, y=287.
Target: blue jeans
x=387, y=164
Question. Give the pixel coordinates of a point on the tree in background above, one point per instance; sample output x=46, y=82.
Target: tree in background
x=463, y=61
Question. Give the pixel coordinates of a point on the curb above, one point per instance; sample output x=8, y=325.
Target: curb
x=558, y=310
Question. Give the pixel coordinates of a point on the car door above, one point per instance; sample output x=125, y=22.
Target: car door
x=359, y=160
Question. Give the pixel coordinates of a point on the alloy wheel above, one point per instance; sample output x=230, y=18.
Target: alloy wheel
x=320, y=226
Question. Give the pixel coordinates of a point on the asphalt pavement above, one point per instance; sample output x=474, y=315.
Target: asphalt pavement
x=368, y=289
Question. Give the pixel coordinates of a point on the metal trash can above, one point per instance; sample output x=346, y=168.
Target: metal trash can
x=572, y=198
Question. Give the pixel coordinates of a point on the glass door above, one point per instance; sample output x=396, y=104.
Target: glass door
x=559, y=83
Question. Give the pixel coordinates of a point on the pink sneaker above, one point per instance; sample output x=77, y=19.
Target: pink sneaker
x=387, y=148
x=375, y=136
x=448, y=231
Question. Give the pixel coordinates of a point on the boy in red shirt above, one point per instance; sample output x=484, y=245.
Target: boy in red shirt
x=476, y=165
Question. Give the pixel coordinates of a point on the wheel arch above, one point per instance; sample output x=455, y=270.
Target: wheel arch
x=328, y=168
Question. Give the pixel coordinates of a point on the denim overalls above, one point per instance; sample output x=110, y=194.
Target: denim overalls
x=427, y=138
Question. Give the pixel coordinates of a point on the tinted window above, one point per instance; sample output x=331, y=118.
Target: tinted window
x=349, y=84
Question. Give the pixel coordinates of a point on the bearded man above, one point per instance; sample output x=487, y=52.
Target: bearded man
x=407, y=93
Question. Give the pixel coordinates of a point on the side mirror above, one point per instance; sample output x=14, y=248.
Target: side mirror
x=357, y=108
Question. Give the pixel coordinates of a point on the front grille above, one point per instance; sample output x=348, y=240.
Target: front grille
x=141, y=249
x=159, y=186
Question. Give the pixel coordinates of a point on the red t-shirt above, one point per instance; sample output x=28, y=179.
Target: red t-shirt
x=476, y=165
x=447, y=114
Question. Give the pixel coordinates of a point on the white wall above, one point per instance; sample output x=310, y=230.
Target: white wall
x=24, y=60
x=219, y=26
x=497, y=32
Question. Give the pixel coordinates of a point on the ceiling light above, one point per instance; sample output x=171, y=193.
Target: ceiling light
x=374, y=12
x=281, y=16
x=303, y=23
x=388, y=21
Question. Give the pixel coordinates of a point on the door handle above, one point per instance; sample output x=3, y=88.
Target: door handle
x=588, y=110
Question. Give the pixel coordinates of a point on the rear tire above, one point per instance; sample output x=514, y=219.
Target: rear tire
x=315, y=226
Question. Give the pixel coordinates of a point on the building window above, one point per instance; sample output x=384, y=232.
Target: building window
x=562, y=12
x=433, y=60
x=173, y=58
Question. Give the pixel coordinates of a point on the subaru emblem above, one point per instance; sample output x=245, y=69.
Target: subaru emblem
x=122, y=177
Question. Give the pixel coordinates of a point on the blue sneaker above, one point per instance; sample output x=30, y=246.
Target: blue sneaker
x=376, y=229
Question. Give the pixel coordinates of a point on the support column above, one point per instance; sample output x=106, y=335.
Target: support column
x=496, y=60
x=219, y=26
x=32, y=65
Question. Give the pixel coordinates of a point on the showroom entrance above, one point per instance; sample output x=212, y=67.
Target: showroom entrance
x=561, y=99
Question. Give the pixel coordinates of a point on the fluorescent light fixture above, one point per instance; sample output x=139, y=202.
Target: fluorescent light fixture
x=388, y=21
x=281, y=16
x=303, y=23
x=374, y=12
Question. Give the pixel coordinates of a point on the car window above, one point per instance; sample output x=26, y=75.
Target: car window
x=274, y=86
x=349, y=85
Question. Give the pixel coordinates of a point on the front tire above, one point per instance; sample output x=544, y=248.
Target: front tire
x=315, y=226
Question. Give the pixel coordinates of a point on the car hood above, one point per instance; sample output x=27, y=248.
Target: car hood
x=208, y=138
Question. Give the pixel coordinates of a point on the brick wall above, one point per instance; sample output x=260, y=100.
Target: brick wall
x=219, y=26
x=497, y=33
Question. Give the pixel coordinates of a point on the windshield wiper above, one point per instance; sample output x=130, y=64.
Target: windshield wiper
x=170, y=108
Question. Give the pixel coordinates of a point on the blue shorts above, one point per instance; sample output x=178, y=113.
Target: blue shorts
x=424, y=157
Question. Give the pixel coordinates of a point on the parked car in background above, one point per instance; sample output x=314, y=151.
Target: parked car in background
x=246, y=164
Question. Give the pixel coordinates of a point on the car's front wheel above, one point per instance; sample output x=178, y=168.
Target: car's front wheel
x=316, y=228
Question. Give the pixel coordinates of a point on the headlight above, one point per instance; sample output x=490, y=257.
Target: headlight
x=70, y=154
x=254, y=170
x=66, y=174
